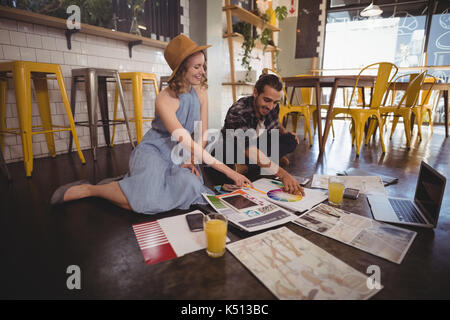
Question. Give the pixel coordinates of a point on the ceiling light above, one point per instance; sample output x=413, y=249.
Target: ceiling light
x=371, y=11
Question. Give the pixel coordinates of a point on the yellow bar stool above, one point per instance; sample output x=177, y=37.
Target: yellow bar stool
x=22, y=73
x=137, y=79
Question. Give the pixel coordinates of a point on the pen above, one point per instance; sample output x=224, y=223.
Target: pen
x=277, y=183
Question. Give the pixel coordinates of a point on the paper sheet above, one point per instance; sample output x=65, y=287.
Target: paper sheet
x=365, y=184
x=311, y=198
x=380, y=239
x=291, y=267
x=248, y=211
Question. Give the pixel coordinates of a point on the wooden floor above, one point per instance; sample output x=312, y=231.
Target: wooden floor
x=38, y=242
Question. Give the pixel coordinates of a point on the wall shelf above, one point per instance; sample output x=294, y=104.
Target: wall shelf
x=40, y=19
x=248, y=17
x=258, y=44
x=238, y=84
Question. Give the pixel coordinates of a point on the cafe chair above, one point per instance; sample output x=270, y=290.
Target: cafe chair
x=424, y=107
x=403, y=108
x=22, y=73
x=286, y=108
x=137, y=80
x=306, y=99
x=361, y=115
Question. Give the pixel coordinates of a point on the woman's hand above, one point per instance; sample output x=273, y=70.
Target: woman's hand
x=239, y=179
x=193, y=169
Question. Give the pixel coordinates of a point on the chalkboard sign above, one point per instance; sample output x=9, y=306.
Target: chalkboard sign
x=307, y=29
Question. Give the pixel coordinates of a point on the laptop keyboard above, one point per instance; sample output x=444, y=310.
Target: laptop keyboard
x=406, y=211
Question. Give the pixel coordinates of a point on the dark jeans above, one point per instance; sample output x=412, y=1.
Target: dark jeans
x=287, y=144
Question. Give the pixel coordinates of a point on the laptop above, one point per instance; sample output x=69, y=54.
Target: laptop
x=423, y=211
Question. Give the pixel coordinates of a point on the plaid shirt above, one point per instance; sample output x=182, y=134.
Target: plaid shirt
x=241, y=115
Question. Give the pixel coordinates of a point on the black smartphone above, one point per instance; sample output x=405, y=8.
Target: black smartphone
x=351, y=193
x=301, y=180
x=195, y=221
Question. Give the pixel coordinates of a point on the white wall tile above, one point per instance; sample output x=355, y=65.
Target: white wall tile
x=56, y=33
x=48, y=43
x=18, y=38
x=39, y=29
x=28, y=54
x=70, y=58
x=43, y=56
x=34, y=41
x=57, y=57
x=4, y=37
x=11, y=53
x=25, y=27
x=8, y=24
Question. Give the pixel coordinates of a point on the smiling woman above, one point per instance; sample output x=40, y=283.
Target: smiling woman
x=193, y=69
x=155, y=183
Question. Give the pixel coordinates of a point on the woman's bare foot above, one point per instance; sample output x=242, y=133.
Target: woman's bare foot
x=77, y=192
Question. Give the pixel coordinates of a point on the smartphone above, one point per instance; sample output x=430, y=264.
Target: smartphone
x=195, y=221
x=301, y=180
x=351, y=193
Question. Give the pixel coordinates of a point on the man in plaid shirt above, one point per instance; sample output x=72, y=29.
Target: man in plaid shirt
x=260, y=112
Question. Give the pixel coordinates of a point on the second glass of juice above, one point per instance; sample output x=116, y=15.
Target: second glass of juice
x=335, y=190
x=215, y=226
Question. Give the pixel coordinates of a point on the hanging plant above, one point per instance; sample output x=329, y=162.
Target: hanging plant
x=246, y=30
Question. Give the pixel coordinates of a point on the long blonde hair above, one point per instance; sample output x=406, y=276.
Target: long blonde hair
x=177, y=83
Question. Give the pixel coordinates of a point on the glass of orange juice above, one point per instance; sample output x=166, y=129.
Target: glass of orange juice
x=215, y=226
x=335, y=190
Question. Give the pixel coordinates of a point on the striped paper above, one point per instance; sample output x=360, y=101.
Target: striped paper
x=153, y=242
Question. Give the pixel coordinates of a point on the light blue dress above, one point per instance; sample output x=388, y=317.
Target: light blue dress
x=154, y=182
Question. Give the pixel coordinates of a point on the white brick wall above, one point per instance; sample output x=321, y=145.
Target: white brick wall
x=25, y=41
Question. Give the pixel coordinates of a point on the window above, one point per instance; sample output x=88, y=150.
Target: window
x=398, y=36
x=409, y=33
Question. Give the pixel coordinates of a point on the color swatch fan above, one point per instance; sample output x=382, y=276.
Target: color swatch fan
x=280, y=195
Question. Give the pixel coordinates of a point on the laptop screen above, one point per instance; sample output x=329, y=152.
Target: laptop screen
x=429, y=192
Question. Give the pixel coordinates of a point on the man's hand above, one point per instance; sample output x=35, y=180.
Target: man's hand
x=291, y=185
x=295, y=136
x=284, y=131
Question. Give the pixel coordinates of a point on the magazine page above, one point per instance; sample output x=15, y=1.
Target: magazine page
x=365, y=184
x=249, y=212
x=271, y=190
x=291, y=267
x=378, y=238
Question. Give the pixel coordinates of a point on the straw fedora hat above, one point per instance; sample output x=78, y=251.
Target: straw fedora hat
x=178, y=49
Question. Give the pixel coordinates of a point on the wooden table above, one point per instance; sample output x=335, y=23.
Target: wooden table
x=334, y=82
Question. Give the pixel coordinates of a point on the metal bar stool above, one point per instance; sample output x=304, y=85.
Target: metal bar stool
x=22, y=73
x=95, y=86
x=3, y=167
x=137, y=79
